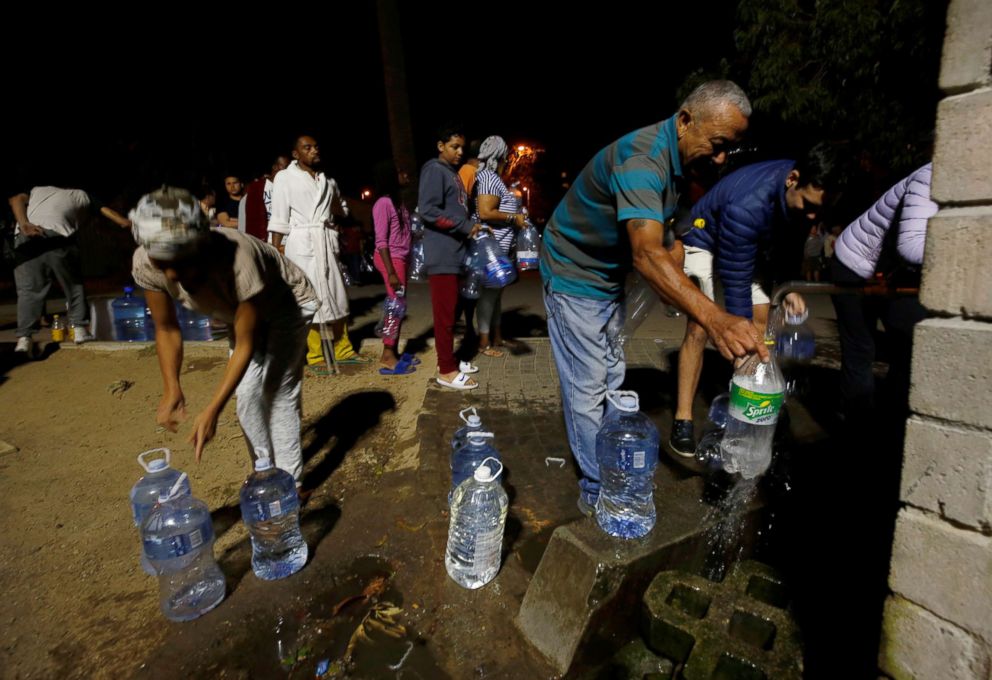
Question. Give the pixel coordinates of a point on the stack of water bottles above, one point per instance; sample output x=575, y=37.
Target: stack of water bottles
x=627, y=453
x=416, y=263
x=178, y=541
x=473, y=274
x=130, y=318
x=497, y=269
x=270, y=508
x=160, y=477
x=757, y=392
x=528, y=247
x=393, y=311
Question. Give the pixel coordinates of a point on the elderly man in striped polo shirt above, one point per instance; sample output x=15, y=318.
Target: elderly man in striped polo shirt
x=611, y=219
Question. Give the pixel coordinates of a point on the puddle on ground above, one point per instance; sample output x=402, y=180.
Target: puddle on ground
x=357, y=626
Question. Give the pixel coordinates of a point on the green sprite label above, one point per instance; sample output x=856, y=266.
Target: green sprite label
x=756, y=408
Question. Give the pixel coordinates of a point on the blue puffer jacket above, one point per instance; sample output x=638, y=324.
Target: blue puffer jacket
x=740, y=213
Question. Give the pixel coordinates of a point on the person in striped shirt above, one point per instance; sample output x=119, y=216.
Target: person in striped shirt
x=499, y=209
x=611, y=220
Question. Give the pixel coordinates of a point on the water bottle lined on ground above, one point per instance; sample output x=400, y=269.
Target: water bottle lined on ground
x=497, y=269
x=58, y=329
x=756, y=394
x=475, y=532
x=129, y=317
x=467, y=457
x=528, y=248
x=473, y=423
x=270, y=508
x=145, y=493
x=193, y=324
x=178, y=540
x=627, y=453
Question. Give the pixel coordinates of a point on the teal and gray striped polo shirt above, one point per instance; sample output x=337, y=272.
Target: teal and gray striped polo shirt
x=586, y=249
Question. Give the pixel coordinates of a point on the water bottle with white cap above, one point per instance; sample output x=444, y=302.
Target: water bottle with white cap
x=627, y=453
x=270, y=508
x=473, y=423
x=144, y=494
x=475, y=531
x=178, y=540
x=464, y=460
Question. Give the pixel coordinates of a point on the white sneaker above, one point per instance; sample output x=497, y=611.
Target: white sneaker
x=24, y=345
x=81, y=334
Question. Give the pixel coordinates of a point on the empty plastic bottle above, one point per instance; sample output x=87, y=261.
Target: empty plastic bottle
x=160, y=477
x=528, y=248
x=709, y=455
x=270, y=508
x=794, y=341
x=129, y=317
x=178, y=540
x=475, y=531
x=393, y=311
x=627, y=453
x=471, y=286
x=756, y=394
x=498, y=271
x=467, y=457
x=417, y=269
x=473, y=423
x=640, y=301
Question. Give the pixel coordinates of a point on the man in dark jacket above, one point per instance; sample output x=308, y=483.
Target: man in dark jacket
x=735, y=224
x=443, y=205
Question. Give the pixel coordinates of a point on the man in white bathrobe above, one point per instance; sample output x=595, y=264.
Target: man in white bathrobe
x=302, y=225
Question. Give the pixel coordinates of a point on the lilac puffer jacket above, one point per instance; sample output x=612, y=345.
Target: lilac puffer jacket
x=907, y=203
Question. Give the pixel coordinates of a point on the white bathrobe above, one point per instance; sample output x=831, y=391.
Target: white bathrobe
x=301, y=210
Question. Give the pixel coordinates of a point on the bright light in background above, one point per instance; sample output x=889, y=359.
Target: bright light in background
x=366, y=194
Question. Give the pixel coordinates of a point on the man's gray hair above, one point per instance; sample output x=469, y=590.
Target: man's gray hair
x=711, y=95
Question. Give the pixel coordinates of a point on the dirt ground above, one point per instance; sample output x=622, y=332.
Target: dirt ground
x=75, y=602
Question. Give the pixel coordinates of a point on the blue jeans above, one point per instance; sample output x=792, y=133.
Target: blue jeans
x=588, y=366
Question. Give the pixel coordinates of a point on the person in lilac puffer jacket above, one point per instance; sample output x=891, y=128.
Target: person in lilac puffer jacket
x=888, y=238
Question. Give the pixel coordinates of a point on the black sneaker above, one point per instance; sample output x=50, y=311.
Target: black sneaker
x=683, y=440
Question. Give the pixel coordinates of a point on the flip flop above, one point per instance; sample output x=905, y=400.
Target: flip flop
x=460, y=382
x=414, y=361
x=355, y=359
x=492, y=352
x=402, y=367
x=467, y=368
x=319, y=370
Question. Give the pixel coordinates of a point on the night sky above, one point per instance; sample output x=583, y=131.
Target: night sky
x=175, y=98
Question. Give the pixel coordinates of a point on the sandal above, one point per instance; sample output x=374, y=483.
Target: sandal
x=491, y=351
x=355, y=359
x=402, y=367
x=459, y=382
x=320, y=370
x=414, y=361
x=467, y=368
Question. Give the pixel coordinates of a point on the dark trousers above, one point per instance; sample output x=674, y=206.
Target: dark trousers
x=857, y=324
x=444, y=298
x=39, y=260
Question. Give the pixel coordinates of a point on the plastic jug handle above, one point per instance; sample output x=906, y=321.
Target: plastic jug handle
x=461, y=414
x=614, y=396
x=141, y=457
x=175, y=487
x=498, y=462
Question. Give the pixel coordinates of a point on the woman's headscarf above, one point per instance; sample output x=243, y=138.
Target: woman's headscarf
x=492, y=151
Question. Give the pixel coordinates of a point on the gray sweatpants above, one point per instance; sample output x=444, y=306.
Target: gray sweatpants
x=41, y=259
x=270, y=393
x=489, y=309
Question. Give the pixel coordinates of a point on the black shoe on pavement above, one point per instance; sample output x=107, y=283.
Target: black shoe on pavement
x=683, y=440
